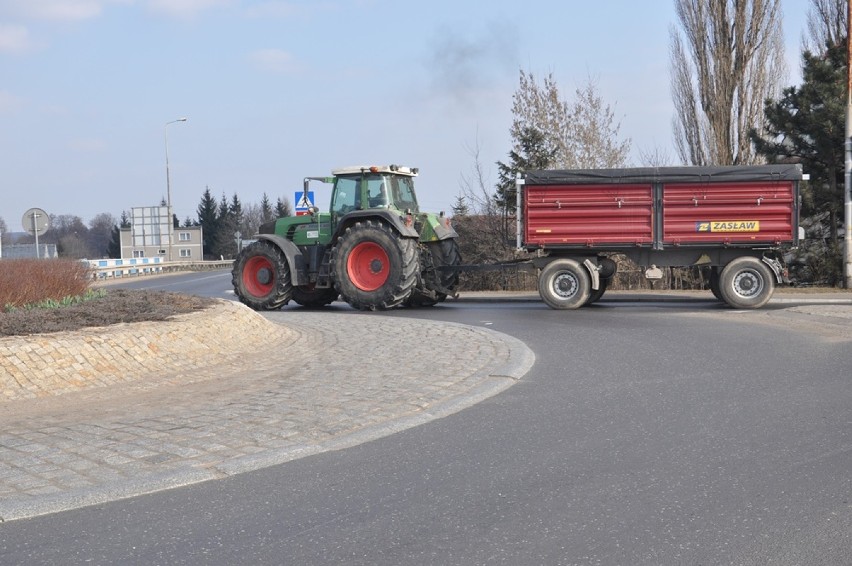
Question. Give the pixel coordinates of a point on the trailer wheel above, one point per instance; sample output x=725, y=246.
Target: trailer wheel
x=595, y=295
x=746, y=283
x=564, y=284
x=311, y=297
x=261, y=276
x=446, y=253
x=714, y=283
x=373, y=266
x=437, y=282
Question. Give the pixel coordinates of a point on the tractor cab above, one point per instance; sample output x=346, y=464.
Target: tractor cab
x=363, y=188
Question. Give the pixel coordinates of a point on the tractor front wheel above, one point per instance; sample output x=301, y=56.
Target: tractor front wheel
x=261, y=276
x=374, y=268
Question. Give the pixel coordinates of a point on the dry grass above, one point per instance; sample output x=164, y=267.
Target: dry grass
x=31, y=281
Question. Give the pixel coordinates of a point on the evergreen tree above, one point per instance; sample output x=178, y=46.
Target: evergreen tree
x=223, y=238
x=460, y=208
x=236, y=210
x=282, y=207
x=534, y=153
x=208, y=219
x=114, y=246
x=807, y=125
x=266, y=214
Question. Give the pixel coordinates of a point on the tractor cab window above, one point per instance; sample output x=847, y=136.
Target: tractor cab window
x=377, y=192
x=402, y=192
x=346, y=195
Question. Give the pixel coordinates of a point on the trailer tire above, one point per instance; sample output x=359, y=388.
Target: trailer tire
x=746, y=283
x=261, y=276
x=564, y=284
x=311, y=297
x=714, y=283
x=595, y=295
x=374, y=268
x=446, y=253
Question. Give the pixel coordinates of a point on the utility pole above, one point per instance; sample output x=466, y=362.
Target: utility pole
x=848, y=143
x=169, y=186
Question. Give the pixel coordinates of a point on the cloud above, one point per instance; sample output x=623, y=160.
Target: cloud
x=185, y=9
x=57, y=10
x=14, y=39
x=287, y=9
x=273, y=60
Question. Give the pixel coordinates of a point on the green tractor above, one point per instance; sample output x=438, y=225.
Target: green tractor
x=374, y=248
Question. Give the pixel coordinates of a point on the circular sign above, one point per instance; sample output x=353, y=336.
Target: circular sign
x=35, y=221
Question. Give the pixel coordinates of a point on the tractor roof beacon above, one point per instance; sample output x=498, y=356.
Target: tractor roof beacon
x=373, y=248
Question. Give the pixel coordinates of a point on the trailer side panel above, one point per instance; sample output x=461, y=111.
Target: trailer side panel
x=589, y=215
x=741, y=213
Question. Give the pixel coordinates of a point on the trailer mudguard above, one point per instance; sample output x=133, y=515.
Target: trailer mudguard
x=298, y=272
x=777, y=269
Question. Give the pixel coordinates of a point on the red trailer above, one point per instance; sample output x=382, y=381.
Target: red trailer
x=734, y=220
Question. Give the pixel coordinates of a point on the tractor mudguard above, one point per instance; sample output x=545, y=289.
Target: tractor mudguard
x=434, y=228
x=388, y=216
x=298, y=272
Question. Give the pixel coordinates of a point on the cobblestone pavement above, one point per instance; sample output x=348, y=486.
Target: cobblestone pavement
x=333, y=380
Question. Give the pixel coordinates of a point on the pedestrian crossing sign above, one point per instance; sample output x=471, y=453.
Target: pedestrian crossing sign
x=304, y=202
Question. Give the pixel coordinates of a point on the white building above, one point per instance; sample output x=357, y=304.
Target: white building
x=151, y=234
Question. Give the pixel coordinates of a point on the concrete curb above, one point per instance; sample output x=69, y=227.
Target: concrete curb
x=55, y=364
x=418, y=399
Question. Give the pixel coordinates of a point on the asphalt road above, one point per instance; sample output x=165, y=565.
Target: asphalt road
x=648, y=432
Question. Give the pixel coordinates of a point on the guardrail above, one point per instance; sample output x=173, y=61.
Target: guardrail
x=135, y=267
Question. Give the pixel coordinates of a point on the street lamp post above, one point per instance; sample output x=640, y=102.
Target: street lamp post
x=169, y=185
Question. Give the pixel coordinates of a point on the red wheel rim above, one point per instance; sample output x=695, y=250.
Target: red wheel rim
x=258, y=276
x=368, y=266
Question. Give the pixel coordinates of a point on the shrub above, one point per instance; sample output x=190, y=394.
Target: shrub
x=31, y=281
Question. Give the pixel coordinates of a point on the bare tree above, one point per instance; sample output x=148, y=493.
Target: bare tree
x=827, y=25
x=252, y=219
x=655, y=157
x=474, y=187
x=581, y=134
x=726, y=60
x=100, y=234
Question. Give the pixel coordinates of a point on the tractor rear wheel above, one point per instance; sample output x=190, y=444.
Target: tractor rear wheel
x=261, y=276
x=374, y=268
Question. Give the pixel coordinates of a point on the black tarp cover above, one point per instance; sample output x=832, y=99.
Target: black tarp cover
x=740, y=173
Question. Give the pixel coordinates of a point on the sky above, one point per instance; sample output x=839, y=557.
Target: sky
x=277, y=90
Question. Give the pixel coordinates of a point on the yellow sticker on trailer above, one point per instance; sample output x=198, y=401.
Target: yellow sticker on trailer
x=728, y=226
